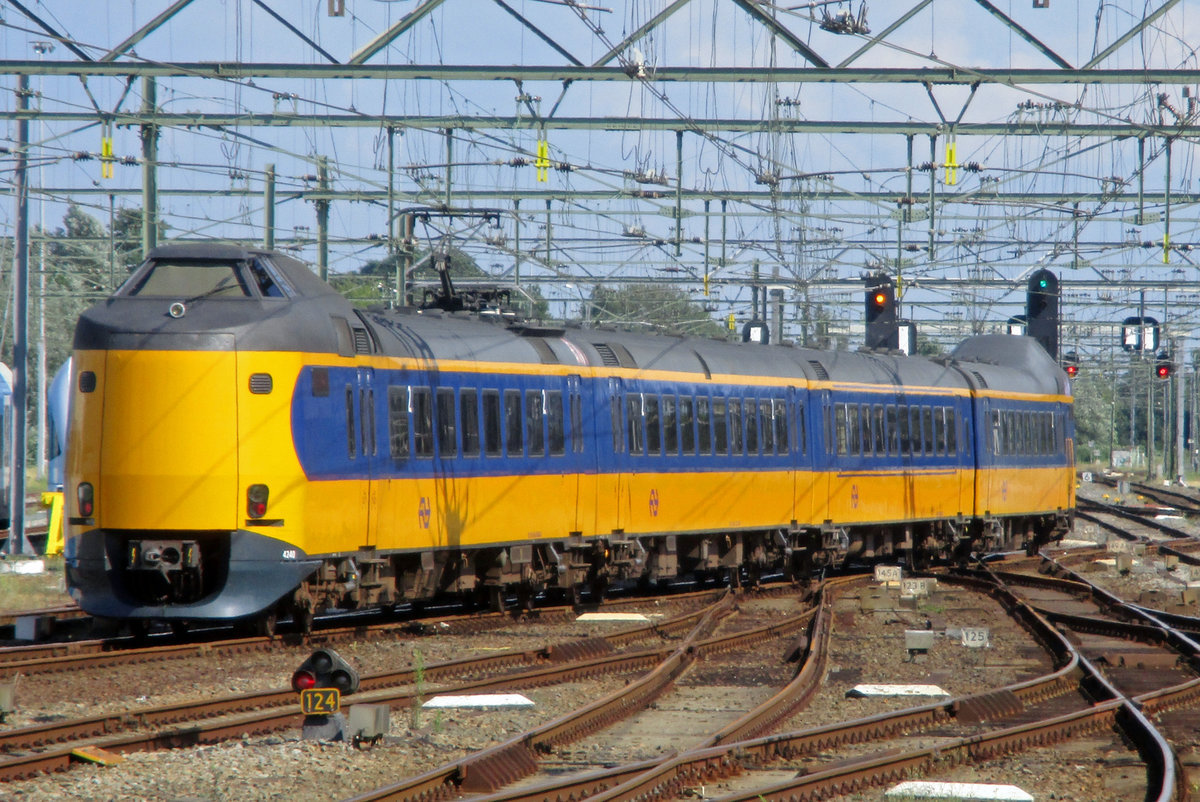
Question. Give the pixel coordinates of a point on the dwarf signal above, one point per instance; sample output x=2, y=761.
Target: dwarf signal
x=321, y=680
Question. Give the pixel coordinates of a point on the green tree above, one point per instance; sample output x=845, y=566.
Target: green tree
x=656, y=307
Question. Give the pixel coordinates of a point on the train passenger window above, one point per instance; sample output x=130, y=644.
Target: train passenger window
x=535, y=432
x=618, y=438
x=951, y=431
x=398, y=422
x=670, y=425
x=555, y=423
x=633, y=422
x=653, y=425
x=878, y=431
x=782, y=439
x=514, y=442
x=576, y=423
x=914, y=430
x=868, y=437
x=905, y=439
x=766, y=427
x=422, y=403
x=687, y=431
x=492, y=444
x=720, y=428
x=446, y=440
x=751, y=426
x=939, y=428
x=737, y=427
x=893, y=432
x=853, y=433
x=191, y=279
x=927, y=429
x=704, y=425
x=351, y=443
x=841, y=437
x=366, y=413
x=997, y=434
x=468, y=420
x=801, y=431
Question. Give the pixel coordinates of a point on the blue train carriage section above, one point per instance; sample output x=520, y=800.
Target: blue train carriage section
x=244, y=443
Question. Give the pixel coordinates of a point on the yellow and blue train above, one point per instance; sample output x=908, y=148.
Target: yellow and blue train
x=244, y=442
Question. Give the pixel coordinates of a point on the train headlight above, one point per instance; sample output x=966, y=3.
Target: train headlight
x=86, y=498
x=256, y=500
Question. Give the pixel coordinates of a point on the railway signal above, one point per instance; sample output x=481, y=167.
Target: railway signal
x=321, y=680
x=1163, y=366
x=882, y=325
x=1041, y=310
x=1070, y=364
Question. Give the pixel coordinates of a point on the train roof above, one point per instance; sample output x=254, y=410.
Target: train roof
x=999, y=363
x=306, y=314
x=1005, y=363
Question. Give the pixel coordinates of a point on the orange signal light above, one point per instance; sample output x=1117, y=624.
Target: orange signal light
x=880, y=298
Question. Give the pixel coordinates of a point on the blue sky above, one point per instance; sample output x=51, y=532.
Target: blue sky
x=842, y=237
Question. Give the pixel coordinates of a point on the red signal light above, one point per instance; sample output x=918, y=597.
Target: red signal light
x=1163, y=371
x=256, y=500
x=86, y=498
x=1072, y=370
x=303, y=680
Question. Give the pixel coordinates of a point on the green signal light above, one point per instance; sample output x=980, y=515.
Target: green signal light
x=1042, y=283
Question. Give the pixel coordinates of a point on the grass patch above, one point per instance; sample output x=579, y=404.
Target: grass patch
x=33, y=591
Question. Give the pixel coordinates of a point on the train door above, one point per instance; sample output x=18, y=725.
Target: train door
x=581, y=451
x=985, y=454
x=368, y=452
x=612, y=509
x=817, y=417
x=801, y=474
x=968, y=463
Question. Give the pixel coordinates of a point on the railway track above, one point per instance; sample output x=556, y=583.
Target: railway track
x=49, y=658
x=1057, y=706
x=275, y=710
x=1115, y=668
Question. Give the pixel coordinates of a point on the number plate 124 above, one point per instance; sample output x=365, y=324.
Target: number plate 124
x=320, y=701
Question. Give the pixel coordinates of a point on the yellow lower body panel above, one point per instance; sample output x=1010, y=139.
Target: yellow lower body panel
x=878, y=496
x=1015, y=491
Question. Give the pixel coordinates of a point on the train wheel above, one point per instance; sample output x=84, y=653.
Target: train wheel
x=303, y=619
x=264, y=626
x=139, y=628
x=525, y=596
